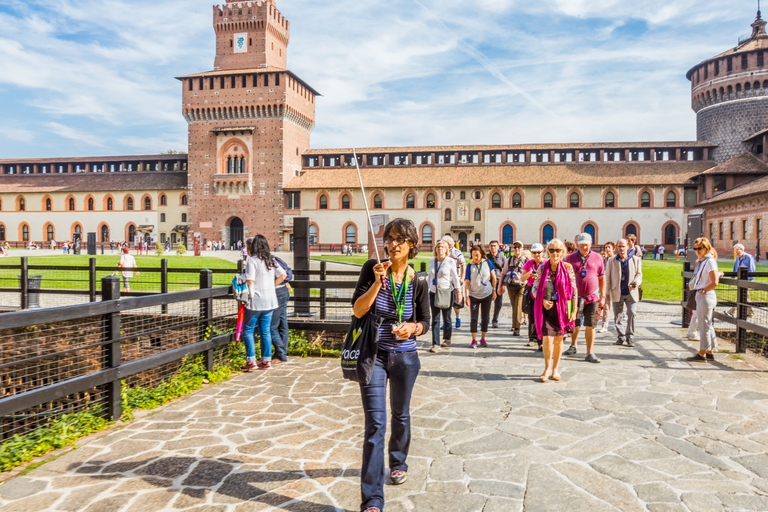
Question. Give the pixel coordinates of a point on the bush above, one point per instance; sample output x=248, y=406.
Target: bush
x=159, y=249
x=181, y=250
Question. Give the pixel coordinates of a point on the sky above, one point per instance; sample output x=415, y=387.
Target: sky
x=93, y=78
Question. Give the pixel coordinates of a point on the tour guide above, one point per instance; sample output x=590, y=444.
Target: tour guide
x=404, y=305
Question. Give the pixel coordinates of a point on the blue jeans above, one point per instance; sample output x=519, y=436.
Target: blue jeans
x=264, y=321
x=446, y=314
x=401, y=369
x=279, y=326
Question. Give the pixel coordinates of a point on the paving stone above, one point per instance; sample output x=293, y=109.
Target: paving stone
x=496, y=488
x=692, y=452
x=36, y=503
x=752, y=395
x=111, y=504
x=758, y=464
x=168, y=467
x=496, y=442
x=607, y=489
x=439, y=502
x=21, y=488
x=700, y=502
x=645, y=399
x=547, y=491
x=656, y=492
x=744, y=501
x=499, y=504
x=444, y=469
x=645, y=449
x=624, y=470
x=207, y=473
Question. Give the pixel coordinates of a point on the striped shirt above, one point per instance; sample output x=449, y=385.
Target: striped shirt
x=385, y=307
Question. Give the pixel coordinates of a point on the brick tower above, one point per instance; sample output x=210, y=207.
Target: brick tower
x=249, y=123
x=729, y=94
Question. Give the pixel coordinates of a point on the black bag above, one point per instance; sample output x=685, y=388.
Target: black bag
x=360, y=346
x=459, y=305
x=691, y=304
x=527, y=301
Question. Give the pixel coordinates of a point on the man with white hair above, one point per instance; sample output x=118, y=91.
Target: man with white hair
x=623, y=277
x=461, y=267
x=743, y=259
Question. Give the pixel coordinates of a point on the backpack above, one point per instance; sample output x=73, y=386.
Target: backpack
x=288, y=271
x=240, y=289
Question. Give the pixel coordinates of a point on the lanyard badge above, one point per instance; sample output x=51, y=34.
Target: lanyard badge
x=399, y=296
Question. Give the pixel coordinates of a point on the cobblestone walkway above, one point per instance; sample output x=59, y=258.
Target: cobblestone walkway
x=644, y=430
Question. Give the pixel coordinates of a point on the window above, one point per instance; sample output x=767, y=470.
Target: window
x=410, y=201
x=426, y=234
x=548, y=200
x=719, y=184
x=690, y=197
x=743, y=229
x=517, y=200
x=49, y=233
x=448, y=195
x=25, y=233
x=147, y=203
x=507, y=235
x=48, y=205
x=462, y=195
x=430, y=201
x=733, y=230
x=162, y=217
x=90, y=204
x=448, y=214
x=345, y=202
x=163, y=200
x=350, y=235
x=377, y=204
x=670, y=234
x=478, y=214
x=323, y=202
x=744, y=61
x=129, y=204
x=477, y=195
x=496, y=200
x=162, y=238
x=293, y=200
x=131, y=233
x=184, y=200
x=312, y=234
x=547, y=234
x=760, y=61
x=758, y=229
x=2, y=233
x=22, y=205
x=631, y=229
x=720, y=231
x=711, y=232
x=183, y=217
x=645, y=200
x=671, y=199
x=574, y=200
x=111, y=204
x=610, y=200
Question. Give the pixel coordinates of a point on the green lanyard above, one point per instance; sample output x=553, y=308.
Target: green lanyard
x=399, y=295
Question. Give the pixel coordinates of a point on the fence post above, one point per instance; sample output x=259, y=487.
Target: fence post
x=164, y=282
x=112, y=352
x=240, y=266
x=742, y=300
x=24, y=283
x=323, y=294
x=423, y=267
x=686, y=312
x=92, y=279
x=206, y=313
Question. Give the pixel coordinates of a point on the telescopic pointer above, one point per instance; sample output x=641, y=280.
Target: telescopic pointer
x=365, y=201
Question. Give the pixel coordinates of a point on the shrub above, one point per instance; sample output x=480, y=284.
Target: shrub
x=181, y=250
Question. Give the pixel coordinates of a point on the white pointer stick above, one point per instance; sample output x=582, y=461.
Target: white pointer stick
x=365, y=201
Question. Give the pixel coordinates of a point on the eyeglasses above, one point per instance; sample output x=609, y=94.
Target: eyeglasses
x=535, y=252
x=698, y=248
x=553, y=251
x=399, y=240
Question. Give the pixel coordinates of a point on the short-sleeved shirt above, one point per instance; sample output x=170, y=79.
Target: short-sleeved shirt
x=263, y=295
x=529, y=266
x=459, y=257
x=479, y=277
x=587, y=283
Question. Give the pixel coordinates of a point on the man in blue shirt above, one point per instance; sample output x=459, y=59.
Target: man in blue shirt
x=743, y=259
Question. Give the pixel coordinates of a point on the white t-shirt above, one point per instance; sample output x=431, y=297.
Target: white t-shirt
x=443, y=275
x=262, y=290
x=701, y=278
x=126, y=260
x=480, y=285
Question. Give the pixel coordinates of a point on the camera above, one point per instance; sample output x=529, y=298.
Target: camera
x=553, y=297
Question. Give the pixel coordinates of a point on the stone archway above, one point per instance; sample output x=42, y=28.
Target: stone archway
x=235, y=231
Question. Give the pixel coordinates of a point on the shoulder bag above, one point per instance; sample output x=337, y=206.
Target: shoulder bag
x=360, y=346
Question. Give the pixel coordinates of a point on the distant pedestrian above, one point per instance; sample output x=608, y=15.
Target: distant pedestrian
x=512, y=282
x=570, y=247
x=633, y=249
x=499, y=260
x=461, y=267
x=623, y=278
x=531, y=269
x=480, y=291
x=609, y=251
x=443, y=279
x=129, y=262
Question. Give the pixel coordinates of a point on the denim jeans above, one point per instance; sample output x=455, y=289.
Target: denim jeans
x=401, y=369
x=436, y=312
x=280, y=324
x=262, y=319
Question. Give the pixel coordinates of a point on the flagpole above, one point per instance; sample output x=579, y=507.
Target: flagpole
x=365, y=202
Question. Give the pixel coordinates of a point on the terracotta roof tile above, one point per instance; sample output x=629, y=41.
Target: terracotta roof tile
x=750, y=188
x=746, y=163
x=94, y=159
x=93, y=182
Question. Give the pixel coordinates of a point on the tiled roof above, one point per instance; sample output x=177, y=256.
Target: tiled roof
x=516, y=147
x=93, y=182
x=746, y=163
x=656, y=173
x=94, y=159
x=252, y=71
x=750, y=188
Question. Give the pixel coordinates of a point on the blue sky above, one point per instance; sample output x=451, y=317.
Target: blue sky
x=80, y=78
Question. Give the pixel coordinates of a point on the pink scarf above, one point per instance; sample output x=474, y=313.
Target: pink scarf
x=564, y=294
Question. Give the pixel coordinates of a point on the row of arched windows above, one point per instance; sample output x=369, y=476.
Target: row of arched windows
x=548, y=198
x=746, y=90
x=49, y=232
x=90, y=205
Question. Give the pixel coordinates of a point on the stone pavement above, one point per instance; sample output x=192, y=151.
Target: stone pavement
x=644, y=430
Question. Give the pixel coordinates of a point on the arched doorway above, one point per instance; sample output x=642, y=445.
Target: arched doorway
x=463, y=241
x=131, y=234
x=631, y=229
x=235, y=230
x=670, y=235
x=507, y=235
x=590, y=230
x=547, y=234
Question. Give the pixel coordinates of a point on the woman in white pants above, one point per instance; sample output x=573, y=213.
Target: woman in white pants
x=706, y=276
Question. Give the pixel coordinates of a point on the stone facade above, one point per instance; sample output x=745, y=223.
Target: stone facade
x=729, y=124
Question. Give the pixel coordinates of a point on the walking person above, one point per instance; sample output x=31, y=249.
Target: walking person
x=623, y=278
x=499, y=260
x=127, y=261
x=590, y=284
x=403, y=301
x=262, y=275
x=554, y=290
x=512, y=280
x=480, y=291
x=609, y=251
x=633, y=249
x=706, y=277
x=531, y=269
x=461, y=267
x=443, y=279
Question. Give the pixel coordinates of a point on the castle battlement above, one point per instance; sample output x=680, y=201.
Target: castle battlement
x=249, y=11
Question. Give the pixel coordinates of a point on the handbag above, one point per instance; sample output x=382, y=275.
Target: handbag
x=360, y=346
x=443, y=298
x=690, y=305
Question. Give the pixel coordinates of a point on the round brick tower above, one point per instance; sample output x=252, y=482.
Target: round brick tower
x=729, y=94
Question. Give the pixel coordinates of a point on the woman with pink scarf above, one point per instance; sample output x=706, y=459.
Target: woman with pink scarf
x=554, y=291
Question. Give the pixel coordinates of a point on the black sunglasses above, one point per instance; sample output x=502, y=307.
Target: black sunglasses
x=698, y=248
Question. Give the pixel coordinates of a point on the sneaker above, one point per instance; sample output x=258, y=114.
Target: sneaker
x=571, y=350
x=495, y=324
x=398, y=476
x=532, y=343
x=604, y=328
x=540, y=349
x=446, y=343
x=264, y=365
x=248, y=367
x=630, y=343
x=458, y=323
x=697, y=358
x=516, y=332
x=483, y=343
x=435, y=348
x=592, y=358
x=619, y=341
x=474, y=344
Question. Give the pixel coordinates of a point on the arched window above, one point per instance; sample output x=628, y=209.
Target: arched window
x=78, y=229
x=547, y=234
x=345, y=202
x=507, y=235
x=410, y=201
x=448, y=214
x=645, y=200
x=430, y=200
x=22, y=206
x=71, y=204
x=671, y=199
x=574, y=200
x=426, y=234
x=131, y=232
x=242, y=164
x=377, y=202
x=111, y=204
x=548, y=200
x=350, y=235
x=90, y=204
x=631, y=229
x=129, y=204
x=163, y=200
x=229, y=165
x=590, y=229
x=25, y=233
x=610, y=200
x=312, y=234
x=184, y=200
x=517, y=200
x=670, y=235
x=496, y=200
x=2, y=233
x=323, y=202
x=478, y=214
x=49, y=232
x=48, y=205
x=147, y=203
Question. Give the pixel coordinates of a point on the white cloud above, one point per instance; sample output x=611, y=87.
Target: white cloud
x=68, y=132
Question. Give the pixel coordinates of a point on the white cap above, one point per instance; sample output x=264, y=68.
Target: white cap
x=537, y=248
x=518, y=242
x=584, y=238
